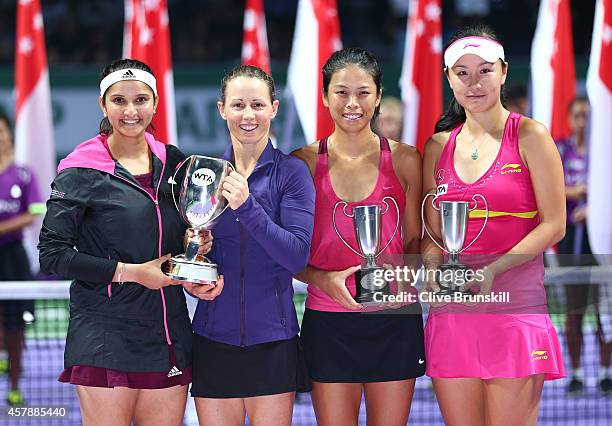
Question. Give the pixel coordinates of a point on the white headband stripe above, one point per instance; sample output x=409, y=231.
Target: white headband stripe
x=487, y=49
x=128, y=74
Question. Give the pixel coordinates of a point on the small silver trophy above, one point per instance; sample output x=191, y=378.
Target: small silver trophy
x=367, y=222
x=454, y=216
x=200, y=205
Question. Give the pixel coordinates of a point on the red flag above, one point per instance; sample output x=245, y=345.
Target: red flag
x=34, y=146
x=147, y=38
x=421, y=81
x=599, y=89
x=255, y=38
x=316, y=37
x=552, y=67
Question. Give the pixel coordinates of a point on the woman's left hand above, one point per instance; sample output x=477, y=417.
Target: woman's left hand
x=235, y=189
x=482, y=281
x=204, y=291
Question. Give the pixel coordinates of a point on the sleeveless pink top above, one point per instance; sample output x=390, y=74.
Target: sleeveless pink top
x=327, y=251
x=513, y=213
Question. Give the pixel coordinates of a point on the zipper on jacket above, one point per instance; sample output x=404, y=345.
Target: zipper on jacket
x=242, y=313
x=279, y=304
x=109, y=287
x=159, y=241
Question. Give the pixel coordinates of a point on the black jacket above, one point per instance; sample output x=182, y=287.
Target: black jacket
x=98, y=215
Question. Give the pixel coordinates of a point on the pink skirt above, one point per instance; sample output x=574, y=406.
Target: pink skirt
x=489, y=346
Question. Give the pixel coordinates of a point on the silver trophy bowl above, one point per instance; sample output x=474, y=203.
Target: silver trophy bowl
x=200, y=205
x=453, y=223
x=454, y=218
x=367, y=223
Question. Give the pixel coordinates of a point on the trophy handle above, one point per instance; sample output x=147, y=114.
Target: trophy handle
x=336, y=229
x=485, y=221
x=220, y=188
x=433, y=204
x=181, y=164
x=396, y=225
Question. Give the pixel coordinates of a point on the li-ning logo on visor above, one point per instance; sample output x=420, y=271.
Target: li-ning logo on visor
x=511, y=168
x=128, y=74
x=203, y=177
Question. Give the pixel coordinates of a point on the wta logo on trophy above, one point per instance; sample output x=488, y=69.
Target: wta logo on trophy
x=203, y=177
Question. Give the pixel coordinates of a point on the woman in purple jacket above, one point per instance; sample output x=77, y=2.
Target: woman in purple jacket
x=247, y=357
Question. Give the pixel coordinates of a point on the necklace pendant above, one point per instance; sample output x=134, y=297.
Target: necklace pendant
x=474, y=154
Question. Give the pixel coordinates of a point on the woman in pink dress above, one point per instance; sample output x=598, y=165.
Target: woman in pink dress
x=489, y=359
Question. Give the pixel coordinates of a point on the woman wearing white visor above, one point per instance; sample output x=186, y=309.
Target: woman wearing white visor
x=489, y=359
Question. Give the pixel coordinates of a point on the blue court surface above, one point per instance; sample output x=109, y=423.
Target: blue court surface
x=43, y=362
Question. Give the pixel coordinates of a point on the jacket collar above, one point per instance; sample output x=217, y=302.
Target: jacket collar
x=92, y=154
x=266, y=157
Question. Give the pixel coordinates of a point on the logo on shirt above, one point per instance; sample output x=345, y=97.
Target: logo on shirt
x=57, y=194
x=9, y=206
x=511, y=168
x=15, y=191
x=538, y=355
x=442, y=189
x=440, y=175
x=203, y=177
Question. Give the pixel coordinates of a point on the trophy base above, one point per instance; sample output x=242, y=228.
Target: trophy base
x=369, y=292
x=196, y=272
x=448, y=277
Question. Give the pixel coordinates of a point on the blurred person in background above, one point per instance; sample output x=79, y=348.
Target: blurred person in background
x=19, y=205
x=390, y=119
x=574, y=250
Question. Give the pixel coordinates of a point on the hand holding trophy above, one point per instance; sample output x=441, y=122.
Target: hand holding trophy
x=454, y=216
x=200, y=205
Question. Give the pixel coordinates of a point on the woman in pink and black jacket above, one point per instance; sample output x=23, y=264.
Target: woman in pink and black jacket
x=110, y=225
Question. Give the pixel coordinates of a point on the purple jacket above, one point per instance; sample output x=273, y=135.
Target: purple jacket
x=258, y=248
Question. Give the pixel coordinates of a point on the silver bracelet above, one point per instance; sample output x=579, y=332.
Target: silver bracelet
x=121, y=271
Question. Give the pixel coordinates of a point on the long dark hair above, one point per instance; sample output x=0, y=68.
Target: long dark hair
x=121, y=64
x=353, y=56
x=455, y=113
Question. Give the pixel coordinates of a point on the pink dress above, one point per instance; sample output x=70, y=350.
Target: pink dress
x=513, y=337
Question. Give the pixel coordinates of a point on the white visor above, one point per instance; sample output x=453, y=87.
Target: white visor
x=128, y=74
x=486, y=48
